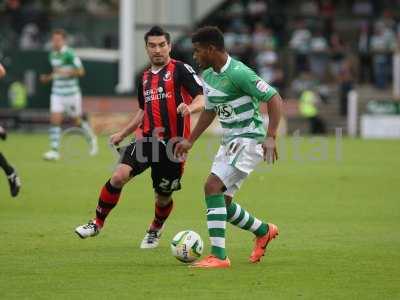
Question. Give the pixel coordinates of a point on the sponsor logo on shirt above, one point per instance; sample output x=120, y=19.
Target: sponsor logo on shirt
x=167, y=76
x=262, y=86
x=225, y=111
x=156, y=94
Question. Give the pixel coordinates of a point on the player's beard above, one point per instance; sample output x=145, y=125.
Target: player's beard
x=159, y=61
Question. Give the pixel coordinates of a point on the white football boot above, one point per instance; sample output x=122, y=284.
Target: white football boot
x=51, y=155
x=87, y=230
x=151, y=239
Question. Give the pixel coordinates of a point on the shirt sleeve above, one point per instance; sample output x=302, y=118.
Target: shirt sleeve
x=75, y=60
x=140, y=93
x=189, y=79
x=251, y=84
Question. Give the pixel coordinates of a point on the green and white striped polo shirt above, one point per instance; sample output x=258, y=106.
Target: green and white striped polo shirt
x=65, y=59
x=235, y=94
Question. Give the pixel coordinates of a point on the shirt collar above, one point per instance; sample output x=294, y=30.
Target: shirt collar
x=226, y=66
x=63, y=49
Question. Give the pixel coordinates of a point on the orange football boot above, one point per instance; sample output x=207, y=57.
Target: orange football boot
x=262, y=242
x=212, y=261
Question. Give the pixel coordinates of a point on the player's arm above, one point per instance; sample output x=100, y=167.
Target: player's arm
x=136, y=121
x=194, y=86
x=2, y=71
x=46, y=78
x=205, y=120
x=77, y=70
x=118, y=137
x=257, y=88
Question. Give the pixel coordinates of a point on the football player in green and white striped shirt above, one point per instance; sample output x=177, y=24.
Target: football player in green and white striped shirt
x=234, y=93
x=66, y=95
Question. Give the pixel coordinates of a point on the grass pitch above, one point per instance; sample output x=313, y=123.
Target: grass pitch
x=337, y=206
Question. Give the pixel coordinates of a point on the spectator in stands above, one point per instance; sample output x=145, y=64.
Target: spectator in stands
x=319, y=50
x=382, y=45
x=364, y=53
x=266, y=61
x=362, y=8
x=338, y=51
x=309, y=8
x=309, y=103
x=346, y=79
x=263, y=37
x=300, y=44
x=257, y=10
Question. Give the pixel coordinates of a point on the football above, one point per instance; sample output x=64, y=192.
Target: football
x=187, y=246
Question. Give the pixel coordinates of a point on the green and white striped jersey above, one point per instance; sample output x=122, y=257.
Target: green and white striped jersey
x=235, y=94
x=65, y=59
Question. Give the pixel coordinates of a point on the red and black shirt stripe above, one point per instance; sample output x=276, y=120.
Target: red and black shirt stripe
x=161, y=93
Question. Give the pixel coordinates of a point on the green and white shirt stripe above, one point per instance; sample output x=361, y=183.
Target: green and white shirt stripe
x=65, y=59
x=235, y=94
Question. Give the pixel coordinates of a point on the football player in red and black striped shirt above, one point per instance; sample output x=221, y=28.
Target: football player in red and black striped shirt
x=168, y=92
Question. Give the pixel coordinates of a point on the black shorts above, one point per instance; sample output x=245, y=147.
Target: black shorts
x=166, y=172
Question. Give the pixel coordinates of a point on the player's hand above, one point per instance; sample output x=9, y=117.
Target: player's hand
x=182, y=148
x=183, y=109
x=63, y=72
x=45, y=78
x=116, y=138
x=270, y=150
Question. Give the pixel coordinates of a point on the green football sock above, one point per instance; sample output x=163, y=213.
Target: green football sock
x=216, y=223
x=239, y=217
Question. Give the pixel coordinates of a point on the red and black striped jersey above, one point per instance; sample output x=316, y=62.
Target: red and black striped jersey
x=161, y=92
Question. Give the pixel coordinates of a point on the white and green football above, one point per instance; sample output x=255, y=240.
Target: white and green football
x=187, y=246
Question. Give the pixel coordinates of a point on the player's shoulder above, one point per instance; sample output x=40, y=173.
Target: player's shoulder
x=239, y=69
x=70, y=51
x=182, y=66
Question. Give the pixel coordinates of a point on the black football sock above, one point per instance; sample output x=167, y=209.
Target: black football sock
x=5, y=166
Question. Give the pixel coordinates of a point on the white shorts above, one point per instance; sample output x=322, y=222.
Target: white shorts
x=70, y=105
x=235, y=161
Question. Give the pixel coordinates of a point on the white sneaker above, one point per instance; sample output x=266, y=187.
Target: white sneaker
x=94, y=147
x=151, y=239
x=87, y=230
x=51, y=155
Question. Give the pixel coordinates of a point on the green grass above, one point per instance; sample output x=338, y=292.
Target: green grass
x=339, y=223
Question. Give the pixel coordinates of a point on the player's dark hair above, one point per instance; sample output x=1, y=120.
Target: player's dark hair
x=209, y=35
x=59, y=31
x=157, y=31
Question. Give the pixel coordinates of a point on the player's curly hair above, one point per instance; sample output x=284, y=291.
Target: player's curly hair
x=209, y=35
x=157, y=31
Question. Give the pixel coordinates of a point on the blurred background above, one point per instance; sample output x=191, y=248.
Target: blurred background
x=336, y=63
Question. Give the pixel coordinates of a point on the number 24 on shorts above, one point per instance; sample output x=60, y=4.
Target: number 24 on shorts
x=168, y=185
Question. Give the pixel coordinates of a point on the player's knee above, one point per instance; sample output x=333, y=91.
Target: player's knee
x=163, y=200
x=119, y=178
x=213, y=186
x=228, y=200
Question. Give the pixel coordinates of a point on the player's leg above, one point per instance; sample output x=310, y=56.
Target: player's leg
x=239, y=217
x=216, y=223
x=81, y=121
x=162, y=209
x=56, y=118
x=108, y=199
x=12, y=176
x=110, y=193
x=264, y=232
x=166, y=175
